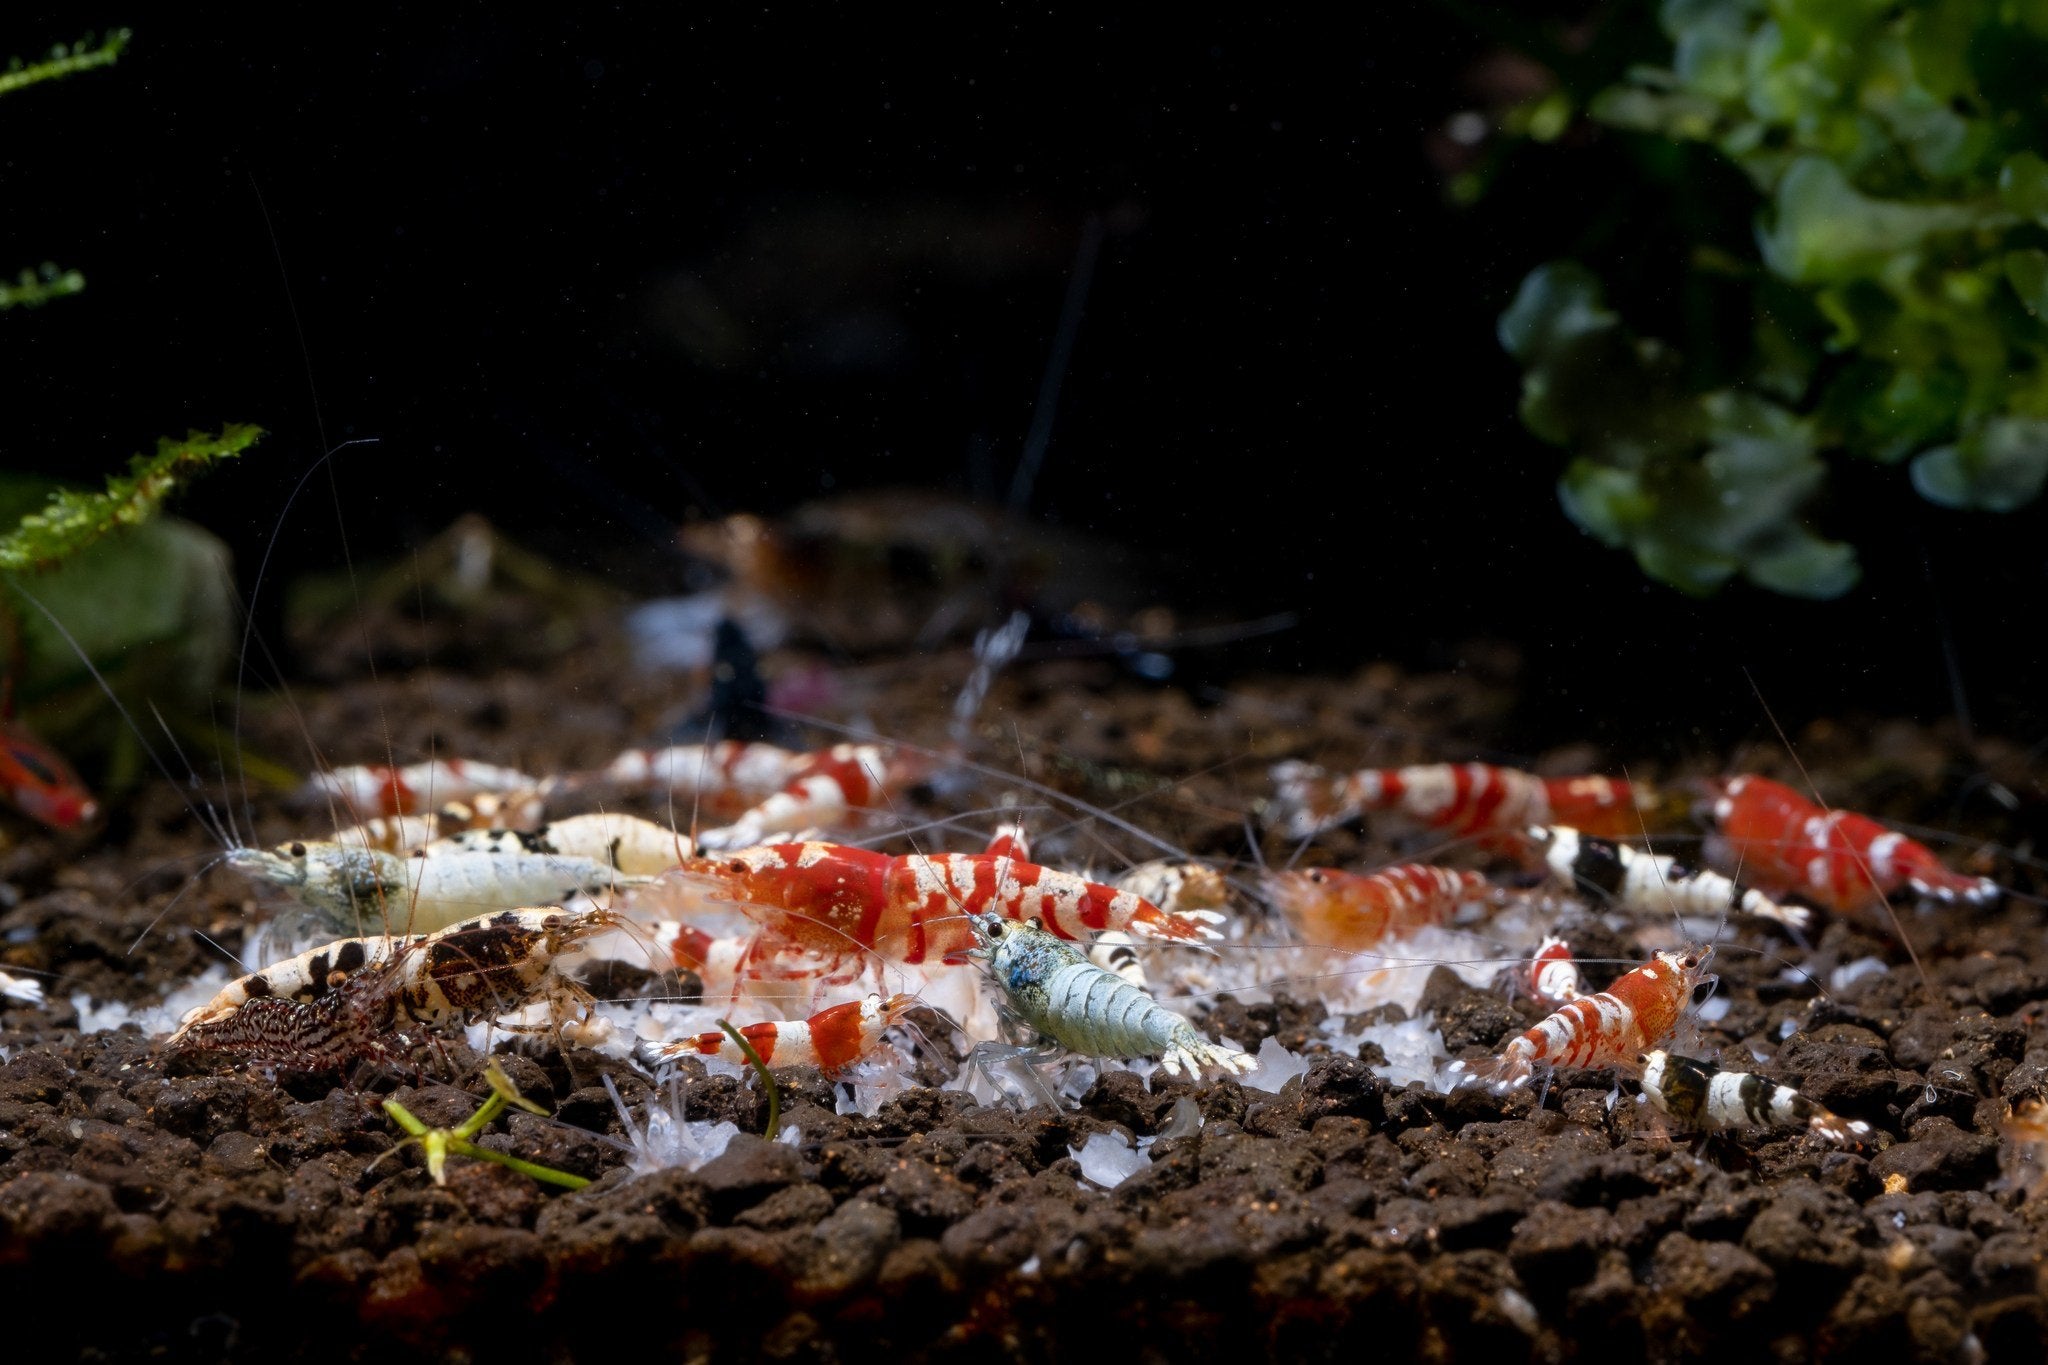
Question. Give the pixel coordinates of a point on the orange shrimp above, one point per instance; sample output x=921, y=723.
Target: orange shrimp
x=1461, y=799
x=1357, y=911
x=831, y=1040
x=1610, y=1030
x=1836, y=858
x=830, y=901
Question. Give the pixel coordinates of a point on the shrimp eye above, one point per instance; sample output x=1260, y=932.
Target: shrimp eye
x=1316, y=876
x=298, y=850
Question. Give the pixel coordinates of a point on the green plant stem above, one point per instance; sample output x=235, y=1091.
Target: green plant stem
x=761, y=1069
x=66, y=62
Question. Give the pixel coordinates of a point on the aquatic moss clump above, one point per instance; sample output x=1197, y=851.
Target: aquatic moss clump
x=1897, y=292
x=74, y=520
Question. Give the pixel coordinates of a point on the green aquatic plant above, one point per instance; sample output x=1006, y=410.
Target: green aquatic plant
x=438, y=1144
x=65, y=60
x=1895, y=295
x=73, y=521
x=768, y=1084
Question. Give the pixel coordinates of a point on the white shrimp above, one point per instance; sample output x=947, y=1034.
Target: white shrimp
x=358, y=885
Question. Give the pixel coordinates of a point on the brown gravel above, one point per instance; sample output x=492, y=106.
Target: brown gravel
x=221, y=1216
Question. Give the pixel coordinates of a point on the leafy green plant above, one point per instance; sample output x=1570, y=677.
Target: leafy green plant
x=98, y=591
x=1897, y=295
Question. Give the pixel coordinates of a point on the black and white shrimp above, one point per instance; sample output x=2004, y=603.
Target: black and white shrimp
x=1654, y=882
x=1067, y=998
x=1709, y=1099
x=626, y=843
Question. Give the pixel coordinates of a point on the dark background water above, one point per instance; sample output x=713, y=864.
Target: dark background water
x=591, y=275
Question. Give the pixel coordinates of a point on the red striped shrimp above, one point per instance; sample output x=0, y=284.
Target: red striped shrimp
x=1609, y=1030
x=831, y=1040
x=36, y=779
x=1358, y=911
x=778, y=791
x=1460, y=799
x=821, y=792
x=716, y=961
x=1846, y=862
x=380, y=789
x=1554, y=973
x=828, y=902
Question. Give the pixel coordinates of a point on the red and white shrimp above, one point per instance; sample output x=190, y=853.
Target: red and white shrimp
x=1460, y=799
x=830, y=1040
x=1835, y=858
x=1610, y=1030
x=821, y=901
x=1358, y=911
x=778, y=790
x=379, y=789
x=36, y=779
x=1554, y=973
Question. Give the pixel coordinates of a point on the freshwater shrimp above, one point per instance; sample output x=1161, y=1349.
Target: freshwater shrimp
x=391, y=833
x=36, y=779
x=831, y=1040
x=829, y=901
x=1358, y=911
x=1838, y=859
x=380, y=789
x=350, y=884
x=822, y=791
x=626, y=843
x=717, y=961
x=1080, y=1006
x=479, y=968
x=1554, y=974
x=1460, y=799
x=1707, y=1098
x=1651, y=881
x=1608, y=1030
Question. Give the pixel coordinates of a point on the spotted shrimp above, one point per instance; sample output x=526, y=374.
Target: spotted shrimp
x=311, y=1011
x=1068, y=999
x=1709, y=1099
x=626, y=843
